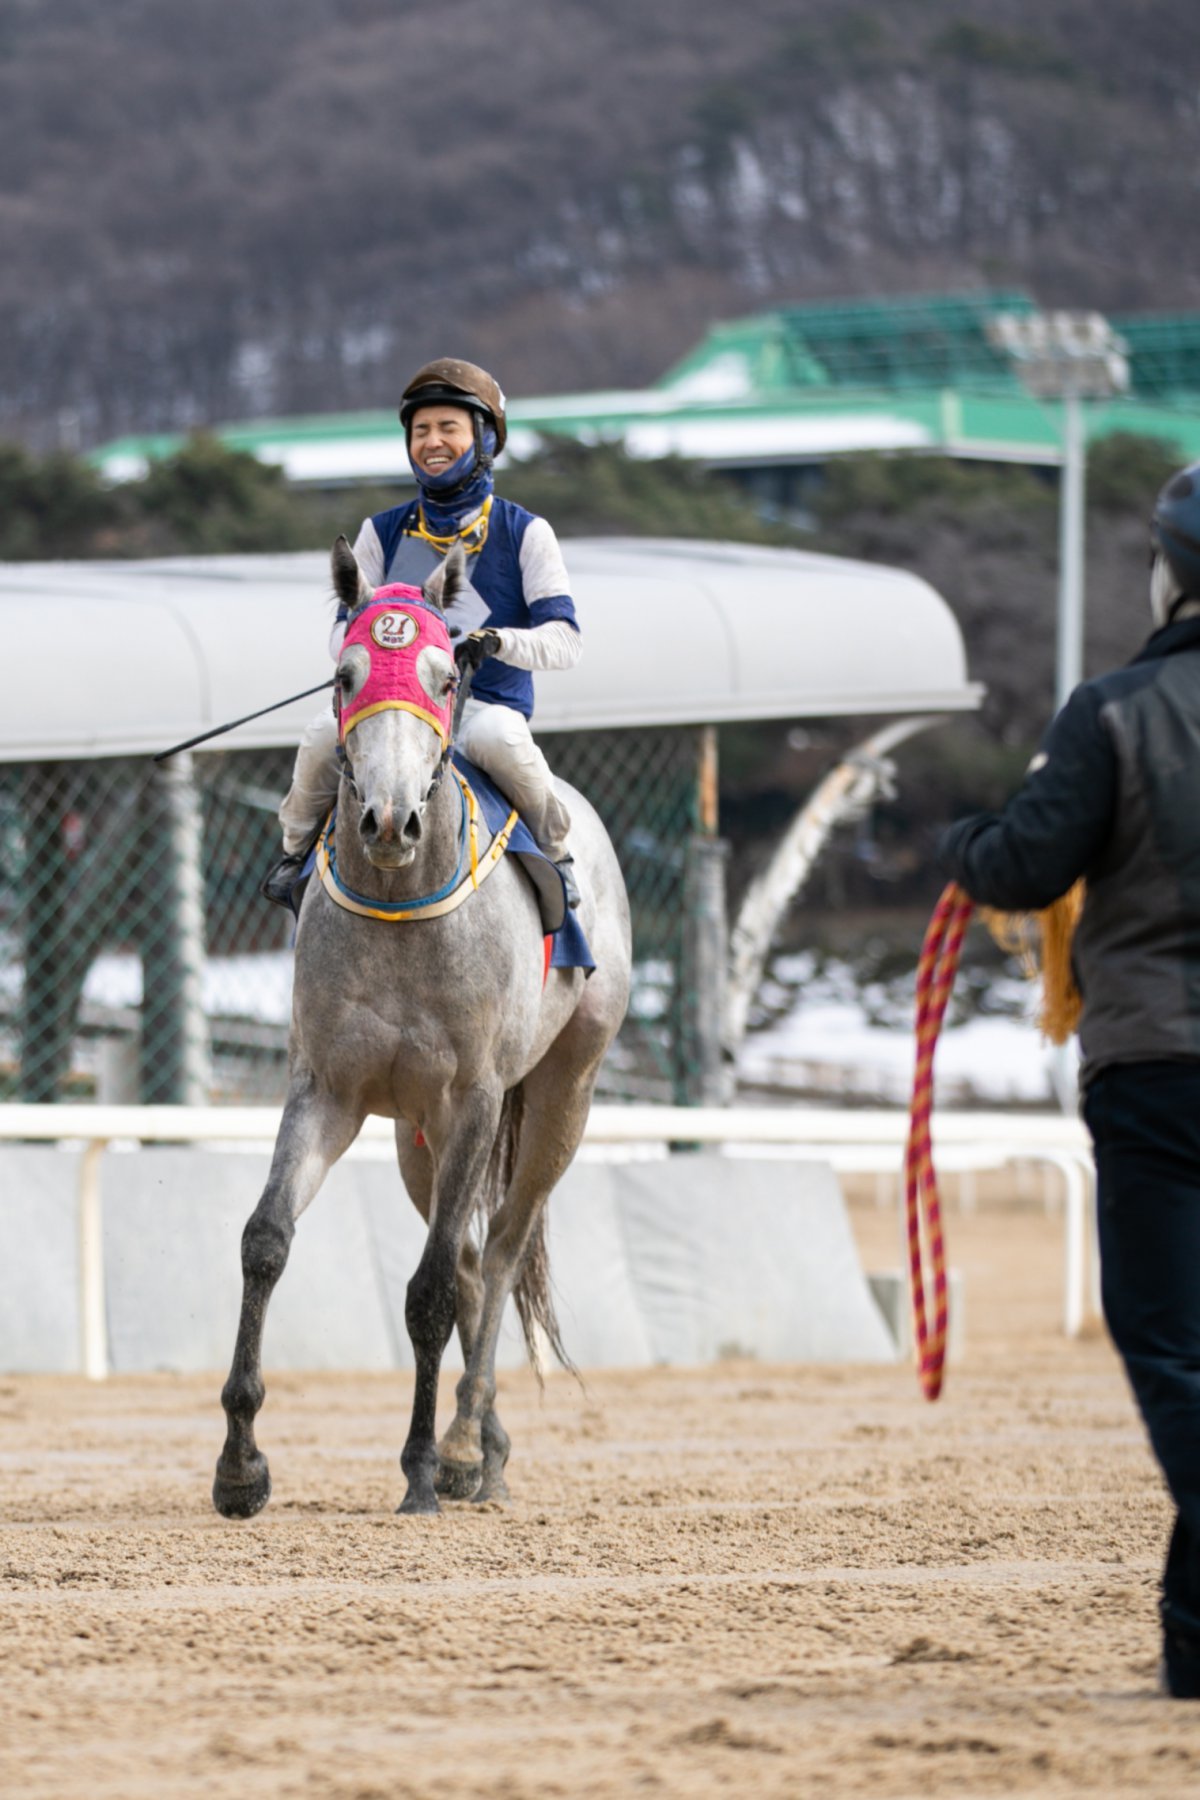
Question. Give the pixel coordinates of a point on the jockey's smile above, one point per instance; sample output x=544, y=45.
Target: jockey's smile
x=439, y=436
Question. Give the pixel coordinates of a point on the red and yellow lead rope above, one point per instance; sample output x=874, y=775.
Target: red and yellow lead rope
x=935, y=978
x=1058, y=1018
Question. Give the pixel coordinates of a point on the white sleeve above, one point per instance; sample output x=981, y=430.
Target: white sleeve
x=543, y=571
x=554, y=645
x=368, y=554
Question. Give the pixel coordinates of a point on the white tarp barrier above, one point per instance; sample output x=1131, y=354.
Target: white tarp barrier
x=681, y=1260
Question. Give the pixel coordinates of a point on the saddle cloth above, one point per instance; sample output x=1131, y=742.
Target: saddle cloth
x=570, y=946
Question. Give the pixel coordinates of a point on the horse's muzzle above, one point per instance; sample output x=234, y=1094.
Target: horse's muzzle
x=387, y=844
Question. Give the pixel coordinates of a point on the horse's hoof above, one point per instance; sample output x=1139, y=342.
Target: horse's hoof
x=458, y=1481
x=419, y=1500
x=242, y=1499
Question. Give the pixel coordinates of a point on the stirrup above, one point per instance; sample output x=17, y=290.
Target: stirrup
x=566, y=868
x=279, y=881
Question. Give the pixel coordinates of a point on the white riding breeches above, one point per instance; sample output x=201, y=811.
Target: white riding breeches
x=497, y=738
x=315, y=779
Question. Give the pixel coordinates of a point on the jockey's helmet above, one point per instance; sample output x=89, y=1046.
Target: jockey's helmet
x=458, y=384
x=1175, y=528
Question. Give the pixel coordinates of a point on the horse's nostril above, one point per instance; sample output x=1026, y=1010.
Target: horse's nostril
x=412, y=830
x=368, y=824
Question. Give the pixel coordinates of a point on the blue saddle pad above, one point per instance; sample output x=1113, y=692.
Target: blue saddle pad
x=570, y=949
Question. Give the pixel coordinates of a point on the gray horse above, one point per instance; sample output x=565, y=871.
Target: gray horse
x=445, y=1026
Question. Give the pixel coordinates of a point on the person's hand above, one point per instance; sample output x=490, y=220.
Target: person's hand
x=475, y=648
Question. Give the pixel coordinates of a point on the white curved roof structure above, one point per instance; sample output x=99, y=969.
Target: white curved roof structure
x=124, y=658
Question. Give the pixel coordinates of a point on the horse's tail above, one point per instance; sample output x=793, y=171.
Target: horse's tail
x=532, y=1292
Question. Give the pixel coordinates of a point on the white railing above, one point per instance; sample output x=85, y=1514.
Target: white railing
x=866, y=1141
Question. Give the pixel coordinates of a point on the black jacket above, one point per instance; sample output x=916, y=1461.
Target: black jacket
x=1113, y=795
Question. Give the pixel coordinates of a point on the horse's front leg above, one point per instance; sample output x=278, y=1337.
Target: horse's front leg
x=313, y=1133
x=460, y=1156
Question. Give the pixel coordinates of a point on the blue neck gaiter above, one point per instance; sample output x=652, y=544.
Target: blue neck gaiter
x=445, y=509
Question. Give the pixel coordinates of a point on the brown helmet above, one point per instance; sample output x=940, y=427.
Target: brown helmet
x=460, y=384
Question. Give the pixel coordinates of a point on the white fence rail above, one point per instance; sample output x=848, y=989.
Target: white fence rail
x=866, y=1141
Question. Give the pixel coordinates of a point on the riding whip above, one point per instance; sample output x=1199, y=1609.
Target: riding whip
x=219, y=730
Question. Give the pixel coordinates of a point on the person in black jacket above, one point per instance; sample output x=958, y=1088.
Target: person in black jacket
x=1113, y=795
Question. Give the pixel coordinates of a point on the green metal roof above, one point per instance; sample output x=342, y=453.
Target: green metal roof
x=922, y=342
x=1164, y=353
x=915, y=342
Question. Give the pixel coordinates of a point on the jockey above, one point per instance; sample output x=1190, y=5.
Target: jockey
x=454, y=421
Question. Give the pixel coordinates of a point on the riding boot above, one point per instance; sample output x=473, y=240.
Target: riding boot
x=279, y=883
x=566, y=868
x=281, y=878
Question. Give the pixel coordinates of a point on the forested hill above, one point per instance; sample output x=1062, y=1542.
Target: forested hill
x=229, y=207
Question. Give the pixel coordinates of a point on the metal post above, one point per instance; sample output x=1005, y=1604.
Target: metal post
x=47, y=1011
x=703, y=1078
x=1069, y=663
x=93, y=1324
x=1068, y=668
x=175, y=1051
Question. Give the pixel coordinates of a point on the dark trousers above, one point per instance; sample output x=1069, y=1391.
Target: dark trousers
x=1145, y=1123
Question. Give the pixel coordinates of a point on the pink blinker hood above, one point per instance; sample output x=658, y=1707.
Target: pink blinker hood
x=394, y=629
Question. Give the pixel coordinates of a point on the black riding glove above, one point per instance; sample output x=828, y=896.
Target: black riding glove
x=475, y=648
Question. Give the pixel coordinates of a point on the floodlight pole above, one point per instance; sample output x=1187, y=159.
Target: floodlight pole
x=1065, y=356
x=1069, y=653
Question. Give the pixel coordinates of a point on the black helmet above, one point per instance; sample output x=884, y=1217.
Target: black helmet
x=460, y=384
x=1175, y=527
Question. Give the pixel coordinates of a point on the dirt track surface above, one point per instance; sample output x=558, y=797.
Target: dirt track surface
x=742, y=1579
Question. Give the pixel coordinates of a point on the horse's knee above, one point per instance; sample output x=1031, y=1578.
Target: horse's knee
x=265, y=1246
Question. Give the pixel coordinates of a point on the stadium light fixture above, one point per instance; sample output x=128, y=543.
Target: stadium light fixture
x=1070, y=357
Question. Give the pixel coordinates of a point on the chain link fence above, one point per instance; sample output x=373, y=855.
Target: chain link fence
x=139, y=962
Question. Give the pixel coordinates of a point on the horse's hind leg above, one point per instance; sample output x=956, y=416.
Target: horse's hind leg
x=455, y=1480
x=557, y=1096
x=431, y=1304
x=312, y=1135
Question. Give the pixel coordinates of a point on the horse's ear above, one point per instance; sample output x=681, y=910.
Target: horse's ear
x=348, y=584
x=448, y=580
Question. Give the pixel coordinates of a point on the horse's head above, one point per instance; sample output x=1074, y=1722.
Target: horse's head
x=394, y=697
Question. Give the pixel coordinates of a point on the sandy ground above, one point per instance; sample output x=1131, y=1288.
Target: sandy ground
x=737, y=1580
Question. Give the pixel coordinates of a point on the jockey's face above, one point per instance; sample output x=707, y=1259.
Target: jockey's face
x=439, y=435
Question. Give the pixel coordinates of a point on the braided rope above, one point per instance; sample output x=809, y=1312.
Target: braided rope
x=935, y=978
